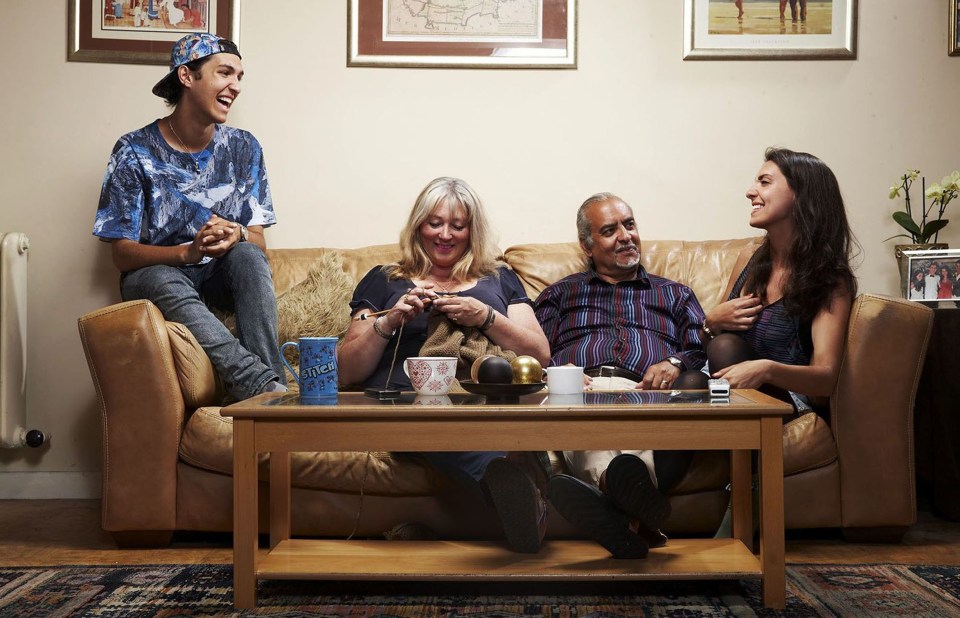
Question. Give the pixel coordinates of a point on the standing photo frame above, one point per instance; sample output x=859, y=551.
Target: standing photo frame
x=143, y=31
x=932, y=276
x=533, y=34
x=770, y=29
x=954, y=29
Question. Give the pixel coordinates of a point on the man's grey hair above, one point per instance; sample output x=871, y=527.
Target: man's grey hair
x=583, y=225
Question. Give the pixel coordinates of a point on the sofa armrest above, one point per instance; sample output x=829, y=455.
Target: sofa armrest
x=872, y=410
x=142, y=410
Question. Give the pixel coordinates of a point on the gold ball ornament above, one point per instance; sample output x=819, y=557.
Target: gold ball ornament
x=526, y=370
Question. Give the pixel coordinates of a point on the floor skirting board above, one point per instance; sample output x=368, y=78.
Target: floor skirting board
x=49, y=485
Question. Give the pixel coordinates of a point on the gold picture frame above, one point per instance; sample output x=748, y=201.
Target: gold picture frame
x=115, y=31
x=953, y=47
x=770, y=30
x=540, y=34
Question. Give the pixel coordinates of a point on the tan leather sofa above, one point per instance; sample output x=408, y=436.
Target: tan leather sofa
x=167, y=451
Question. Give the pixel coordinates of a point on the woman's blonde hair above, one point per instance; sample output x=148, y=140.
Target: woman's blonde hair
x=482, y=256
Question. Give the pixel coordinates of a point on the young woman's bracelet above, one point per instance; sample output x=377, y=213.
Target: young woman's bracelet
x=706, y=331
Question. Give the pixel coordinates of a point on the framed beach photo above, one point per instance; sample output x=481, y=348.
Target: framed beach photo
x=770, y=29
x=143, y=31
x=932, y=275
x=954, y=28
x=533, y=34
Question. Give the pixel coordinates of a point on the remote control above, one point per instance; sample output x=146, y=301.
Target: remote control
x=719, y=387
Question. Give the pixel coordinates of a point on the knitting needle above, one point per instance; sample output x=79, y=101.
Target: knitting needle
x=426, y=301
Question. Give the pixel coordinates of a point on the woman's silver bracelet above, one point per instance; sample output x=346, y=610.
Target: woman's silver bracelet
x=379, y=331
x=491, y=317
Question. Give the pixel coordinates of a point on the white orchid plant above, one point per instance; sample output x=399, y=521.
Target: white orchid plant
x=931, y=217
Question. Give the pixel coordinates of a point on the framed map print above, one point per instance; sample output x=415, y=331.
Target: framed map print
x=462, y=33
x=770, y=29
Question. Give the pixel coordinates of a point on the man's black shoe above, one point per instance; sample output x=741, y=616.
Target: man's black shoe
x=586, y=507
x=630, y=488
x=522, y=510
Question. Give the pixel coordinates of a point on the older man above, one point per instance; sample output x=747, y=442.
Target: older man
x=615, y=319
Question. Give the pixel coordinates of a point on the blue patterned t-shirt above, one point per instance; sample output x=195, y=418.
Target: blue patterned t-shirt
x=154, y=194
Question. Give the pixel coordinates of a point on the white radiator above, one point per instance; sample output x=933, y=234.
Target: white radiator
x=14, y=247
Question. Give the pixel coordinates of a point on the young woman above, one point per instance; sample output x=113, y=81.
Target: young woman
x=917, y=286
x=782, y=328
x=945, y=289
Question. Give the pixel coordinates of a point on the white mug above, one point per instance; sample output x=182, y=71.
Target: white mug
x=565, y=400
x=431, y=375
x=564, y=380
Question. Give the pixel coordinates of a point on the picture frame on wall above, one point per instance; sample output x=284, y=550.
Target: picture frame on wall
x=954, y=28
x=143, y=31
x=540, y=34
x=770, y=29
x=932, y=276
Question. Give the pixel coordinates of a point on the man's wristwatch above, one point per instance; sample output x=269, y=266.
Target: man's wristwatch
x=676, y=362
x=244, y=234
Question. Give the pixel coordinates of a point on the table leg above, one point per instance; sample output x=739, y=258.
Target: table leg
x=244, y=515
x=771, y=513
x=741, y=499
x=279, y=498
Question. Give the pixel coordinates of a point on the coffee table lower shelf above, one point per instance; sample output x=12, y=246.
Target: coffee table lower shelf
x=490, y=561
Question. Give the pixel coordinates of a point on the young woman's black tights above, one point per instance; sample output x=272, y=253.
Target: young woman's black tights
x=727, y=349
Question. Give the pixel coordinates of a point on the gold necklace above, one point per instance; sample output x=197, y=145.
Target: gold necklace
x=444, y=287
x=196, y=160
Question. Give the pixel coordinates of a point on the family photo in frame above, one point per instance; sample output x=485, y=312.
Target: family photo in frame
x=933, y=275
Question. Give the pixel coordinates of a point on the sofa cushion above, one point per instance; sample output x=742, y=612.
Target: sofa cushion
x=704, y=266
x=807, y=444
x=207, y=443
x=199, y=382
x=291, y=266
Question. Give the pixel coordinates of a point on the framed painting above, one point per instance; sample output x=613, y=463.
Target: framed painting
x=770, y=29
x=462, y=33
x=954, y=28
x=143, y=31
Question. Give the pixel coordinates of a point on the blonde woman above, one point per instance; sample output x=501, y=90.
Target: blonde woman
x=449, y=263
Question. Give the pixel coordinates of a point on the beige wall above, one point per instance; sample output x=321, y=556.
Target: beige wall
x=349, y=148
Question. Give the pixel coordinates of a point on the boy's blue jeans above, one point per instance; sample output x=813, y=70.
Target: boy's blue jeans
x=239, y=281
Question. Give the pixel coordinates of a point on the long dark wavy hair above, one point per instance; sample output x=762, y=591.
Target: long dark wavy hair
x=823, y=244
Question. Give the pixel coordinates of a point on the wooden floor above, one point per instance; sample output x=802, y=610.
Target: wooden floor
x=51, y=532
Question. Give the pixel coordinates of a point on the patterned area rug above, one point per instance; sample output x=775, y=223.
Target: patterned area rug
x=205, y=590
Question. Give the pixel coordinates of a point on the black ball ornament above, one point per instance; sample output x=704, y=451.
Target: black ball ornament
x=495, y=370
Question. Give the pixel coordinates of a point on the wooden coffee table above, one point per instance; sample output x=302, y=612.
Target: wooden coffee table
x=278, y=425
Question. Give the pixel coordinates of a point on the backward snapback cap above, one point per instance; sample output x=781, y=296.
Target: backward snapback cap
x=192, y=47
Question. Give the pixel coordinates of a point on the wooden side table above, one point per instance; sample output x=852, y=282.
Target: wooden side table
x=937, y=417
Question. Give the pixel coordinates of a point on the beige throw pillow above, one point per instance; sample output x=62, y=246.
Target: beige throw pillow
x=318, y=306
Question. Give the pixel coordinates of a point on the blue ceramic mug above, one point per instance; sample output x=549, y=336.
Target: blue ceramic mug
x=318, y=366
